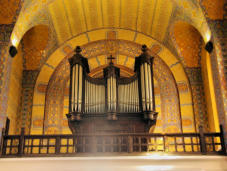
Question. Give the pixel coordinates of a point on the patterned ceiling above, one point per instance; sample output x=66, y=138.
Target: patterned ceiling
x=66, y=19
x=72, y=17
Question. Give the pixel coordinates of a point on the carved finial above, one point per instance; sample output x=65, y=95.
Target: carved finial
x=111, y=59
x=78, y=49
x=144, y=48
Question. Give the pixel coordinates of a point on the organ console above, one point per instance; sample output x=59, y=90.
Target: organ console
x=112, y=103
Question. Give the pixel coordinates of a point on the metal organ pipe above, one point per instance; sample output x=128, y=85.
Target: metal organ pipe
x=150, y=87
x=130, y=96
x=108, y=93
x=125, y=94
x=85, y=96
x=142, y=87
x=137, y=98
x=127, y=97
x=111, y=81
x=111, y=93
x=73, y=90
x=133, y=97
x=146, y=87
x=94, y=97
x=89, y=97
x=80, y=69
x=76, y=88
x=147, y=94
x=114, y=94
x=98, y=99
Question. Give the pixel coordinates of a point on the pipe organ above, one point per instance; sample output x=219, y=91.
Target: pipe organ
x=111, y=74
x=129, y=96
x=111, y=103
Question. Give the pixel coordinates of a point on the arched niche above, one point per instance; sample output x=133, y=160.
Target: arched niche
x=169, y=120
x=49, y=69
x=35, y=42
x=197, y=62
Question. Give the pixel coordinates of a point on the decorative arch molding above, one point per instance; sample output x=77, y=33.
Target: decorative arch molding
x=174, y=66
x=197, y=42
x=169, y=119
x=55, y=122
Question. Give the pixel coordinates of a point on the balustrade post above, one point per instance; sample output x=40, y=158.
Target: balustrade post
x=2, y=144
x=57, y=145
x=7, y=126
x=21, y=143
x=202, y=140
x=75, y=143
x=222, y=140
x=130, y=144
x=93, y=144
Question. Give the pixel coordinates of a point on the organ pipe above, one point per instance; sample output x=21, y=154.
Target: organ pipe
x=150, y=81
x=143, y=67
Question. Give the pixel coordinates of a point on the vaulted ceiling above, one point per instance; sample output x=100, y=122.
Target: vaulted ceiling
x=67, y=19
x=72, y=17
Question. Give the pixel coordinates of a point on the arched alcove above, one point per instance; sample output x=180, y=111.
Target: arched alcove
x=190, y=46
x=167, y=98
x=126, y=53
x=34, y=43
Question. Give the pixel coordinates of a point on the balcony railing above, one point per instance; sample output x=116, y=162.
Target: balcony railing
x=49, y=145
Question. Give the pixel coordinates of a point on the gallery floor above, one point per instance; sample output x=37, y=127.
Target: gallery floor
x=148, y=162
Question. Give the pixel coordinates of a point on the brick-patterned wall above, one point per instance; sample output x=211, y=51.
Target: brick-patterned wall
x=199, y=101
x=216, y=15
x=5, y=65
x=28, y=84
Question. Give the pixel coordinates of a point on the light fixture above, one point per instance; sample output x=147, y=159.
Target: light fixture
x=209, y=46
x=12, y=51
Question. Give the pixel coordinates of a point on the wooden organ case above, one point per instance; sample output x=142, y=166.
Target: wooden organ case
x=111, y=104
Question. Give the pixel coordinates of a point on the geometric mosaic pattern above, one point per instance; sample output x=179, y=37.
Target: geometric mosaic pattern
x=54, y=106
x=195, y=78
x=171, y=119
x=28, y=84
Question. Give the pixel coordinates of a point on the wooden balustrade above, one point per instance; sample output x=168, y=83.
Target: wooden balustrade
x=46, y=145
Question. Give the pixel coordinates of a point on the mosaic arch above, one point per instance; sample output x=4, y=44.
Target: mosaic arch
x=190, y=45
x=174, y=66
x=56, y=94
